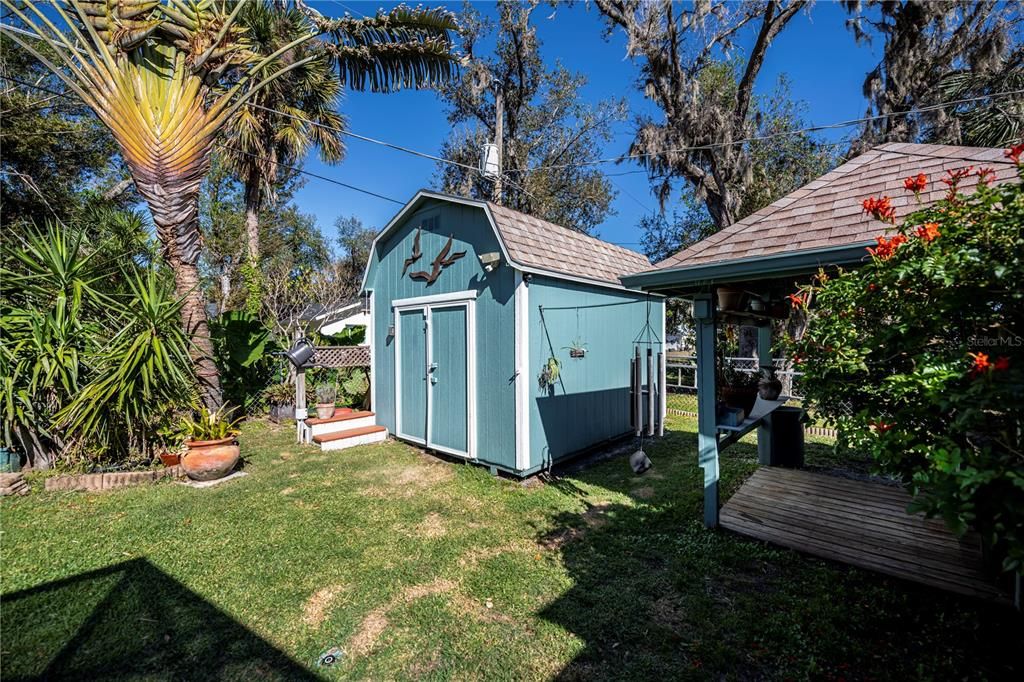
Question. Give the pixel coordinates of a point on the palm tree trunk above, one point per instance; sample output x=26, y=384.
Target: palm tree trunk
x=195, y=323
x=253, y=199
x=175, y=211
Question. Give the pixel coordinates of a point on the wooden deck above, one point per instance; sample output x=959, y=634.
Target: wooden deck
x=856, y=522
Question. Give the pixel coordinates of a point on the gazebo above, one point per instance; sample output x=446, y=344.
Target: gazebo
x=820, y=225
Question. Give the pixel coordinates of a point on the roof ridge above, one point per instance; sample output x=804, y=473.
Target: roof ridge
x=782, y=202
x=569, y=231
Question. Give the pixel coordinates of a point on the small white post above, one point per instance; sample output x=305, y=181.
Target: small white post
x=300, y=405
x=662, y=392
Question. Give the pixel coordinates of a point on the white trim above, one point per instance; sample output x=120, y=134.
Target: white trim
x=398, y=373
x=662, y=379
x=420, y=301
x=468, y=303
x=371, y=329
x=428, y=342
x=522, y=360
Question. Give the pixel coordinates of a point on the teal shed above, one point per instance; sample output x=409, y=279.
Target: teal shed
x=469, y=301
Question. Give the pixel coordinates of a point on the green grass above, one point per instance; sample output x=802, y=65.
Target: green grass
x=428, y=569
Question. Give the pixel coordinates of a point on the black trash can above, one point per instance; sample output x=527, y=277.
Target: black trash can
x=786, y=445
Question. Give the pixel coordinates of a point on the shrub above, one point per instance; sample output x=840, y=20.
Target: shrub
x=93, y=359
x=918, y=357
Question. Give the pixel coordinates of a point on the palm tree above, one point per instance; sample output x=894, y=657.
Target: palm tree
x=166, y=76
x=263, y=140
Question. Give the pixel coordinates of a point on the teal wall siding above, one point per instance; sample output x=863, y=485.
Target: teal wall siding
x=495, y=315
x=448, y=387
x=590, y=402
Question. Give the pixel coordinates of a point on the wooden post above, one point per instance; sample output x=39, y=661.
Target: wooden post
x=499, y=137
x=764, y=359
x=707, y=430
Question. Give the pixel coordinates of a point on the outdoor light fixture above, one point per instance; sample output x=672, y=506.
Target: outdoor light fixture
x=490, y=260
x=300, y=353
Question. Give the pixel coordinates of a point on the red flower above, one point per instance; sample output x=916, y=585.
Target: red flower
x=1014, y=153
x=953, y=178
x=887, y=247
x=916, y=184
x=981, y=363
x=880, y=426
x=881, y=208
x=986, y=175
x=872, y=287
x=928, y=232
x=797, y=300
x=1001, y=364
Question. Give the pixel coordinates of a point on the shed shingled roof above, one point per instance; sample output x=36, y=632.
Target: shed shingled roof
x=536, y=243
x=827, y=212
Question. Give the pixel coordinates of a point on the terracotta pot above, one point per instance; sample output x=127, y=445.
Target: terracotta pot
x=170, y=459
x=729, y=299
x=324, y=410
x=208, y=460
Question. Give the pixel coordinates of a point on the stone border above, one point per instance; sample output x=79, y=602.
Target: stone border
x=110, y=481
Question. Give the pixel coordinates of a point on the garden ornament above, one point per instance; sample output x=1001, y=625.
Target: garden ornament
x=640, y=462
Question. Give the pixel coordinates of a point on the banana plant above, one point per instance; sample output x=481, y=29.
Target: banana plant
x=165, y=76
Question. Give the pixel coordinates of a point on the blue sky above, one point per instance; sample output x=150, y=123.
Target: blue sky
x=815, y=51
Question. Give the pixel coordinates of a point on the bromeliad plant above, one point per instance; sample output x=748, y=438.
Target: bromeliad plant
x=209, y=425
x=166, y=76
x=918, y=356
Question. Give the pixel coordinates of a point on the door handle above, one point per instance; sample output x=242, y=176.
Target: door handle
x=432, y=367
x=433, y=379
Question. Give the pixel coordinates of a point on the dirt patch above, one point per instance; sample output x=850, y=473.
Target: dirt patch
x=433, y=526
x=288, y=491
x=478, y=555
x=407, y=481
x=370, y=630
x=645, y=493
x=319, y=605
x=422, y=666
x=376, y=622
x=593, y=518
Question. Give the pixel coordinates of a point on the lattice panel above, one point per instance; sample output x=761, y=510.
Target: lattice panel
x=342, y=356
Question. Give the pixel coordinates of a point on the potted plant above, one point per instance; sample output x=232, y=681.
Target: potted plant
x=729, y=298
x=326, y=395
x=737, y=388
x=210, y=443
x=577, y=349
x=281, y=400
x=549, y=374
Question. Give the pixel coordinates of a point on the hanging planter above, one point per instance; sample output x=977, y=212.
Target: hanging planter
x=549, y=375
x=577, y=349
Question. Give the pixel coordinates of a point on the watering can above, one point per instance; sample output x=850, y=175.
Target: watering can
x=300, y=353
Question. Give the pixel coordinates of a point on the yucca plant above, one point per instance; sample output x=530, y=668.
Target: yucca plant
x=165, y=76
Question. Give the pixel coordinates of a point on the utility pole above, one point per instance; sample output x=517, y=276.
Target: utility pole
x=499, y=135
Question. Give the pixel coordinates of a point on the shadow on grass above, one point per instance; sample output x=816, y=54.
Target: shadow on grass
x=130, y=620
x=656, y=596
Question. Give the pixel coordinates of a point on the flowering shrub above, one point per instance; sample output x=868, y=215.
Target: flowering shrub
x=918, y=356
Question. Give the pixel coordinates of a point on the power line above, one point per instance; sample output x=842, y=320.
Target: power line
x=624, y=157
x=783, y=133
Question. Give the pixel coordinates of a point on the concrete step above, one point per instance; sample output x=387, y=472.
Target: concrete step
x=351, y=438
x=340, y=422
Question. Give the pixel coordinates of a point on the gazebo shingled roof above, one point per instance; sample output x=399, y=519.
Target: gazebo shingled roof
x=825, y=216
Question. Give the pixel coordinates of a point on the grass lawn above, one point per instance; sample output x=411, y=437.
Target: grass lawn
x=421, y=568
